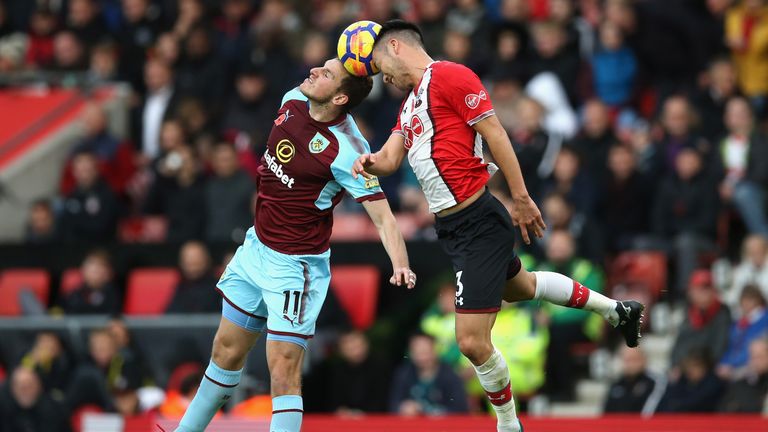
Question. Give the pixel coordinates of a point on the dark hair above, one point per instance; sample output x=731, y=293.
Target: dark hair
x=752, y=291
x=410, y=30
x=356, y=88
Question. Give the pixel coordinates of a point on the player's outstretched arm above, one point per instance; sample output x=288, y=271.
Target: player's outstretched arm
x=525, y=214
x=393, y=242
x=385, y=161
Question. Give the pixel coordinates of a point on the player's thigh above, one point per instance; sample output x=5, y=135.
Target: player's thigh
x=232, y=344
x=522, y=286
x=294, y=299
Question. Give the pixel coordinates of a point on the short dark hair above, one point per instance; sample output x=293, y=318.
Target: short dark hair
x=411, y=31
x=356, y=88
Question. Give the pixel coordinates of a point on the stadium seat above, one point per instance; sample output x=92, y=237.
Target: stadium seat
x=14, y=281
x=71, y=279
x=353, y=227
x=149, y=290
x=76, y=419
x=143, y=229
x=648, y=268
x=357, y=288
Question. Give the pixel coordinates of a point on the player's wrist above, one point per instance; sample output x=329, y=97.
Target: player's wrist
x=520, y=196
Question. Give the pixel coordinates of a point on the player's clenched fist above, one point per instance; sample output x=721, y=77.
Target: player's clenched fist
x=403, y=276
x=363, y=162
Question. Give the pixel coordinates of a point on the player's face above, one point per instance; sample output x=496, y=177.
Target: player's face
x=323, y=82
x=392, y=69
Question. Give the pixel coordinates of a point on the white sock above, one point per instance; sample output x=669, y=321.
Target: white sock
x=562, y=290
x=494, y=377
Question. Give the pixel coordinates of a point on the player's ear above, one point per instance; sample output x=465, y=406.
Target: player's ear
x=393, y=46
x=340, y=99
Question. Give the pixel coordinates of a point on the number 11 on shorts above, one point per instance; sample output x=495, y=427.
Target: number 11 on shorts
x=459, y=289
x=287, y=306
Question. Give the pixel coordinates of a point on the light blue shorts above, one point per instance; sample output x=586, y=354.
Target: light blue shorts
x=287, y=290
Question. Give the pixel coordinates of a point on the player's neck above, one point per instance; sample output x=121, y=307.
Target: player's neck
x=420, y=63
x=323, y=113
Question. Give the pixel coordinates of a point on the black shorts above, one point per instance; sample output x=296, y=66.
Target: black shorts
x=480, y=241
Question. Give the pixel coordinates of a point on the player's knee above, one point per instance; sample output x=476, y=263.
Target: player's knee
x=227, y=352
x=475, y=348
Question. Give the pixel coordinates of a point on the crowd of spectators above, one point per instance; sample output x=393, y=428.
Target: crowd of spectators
x=639, y=125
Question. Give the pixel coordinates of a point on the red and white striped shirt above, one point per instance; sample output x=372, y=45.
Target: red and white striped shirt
x=436, y=119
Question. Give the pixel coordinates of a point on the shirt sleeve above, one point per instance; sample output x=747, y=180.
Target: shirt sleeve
x=462, y=90
x=360, y=188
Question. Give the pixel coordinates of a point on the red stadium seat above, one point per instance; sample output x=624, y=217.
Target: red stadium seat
x=71, y=280
x=646, y=268
x=357, y=288
x=143, y=229
x=353, y=227
x=14, y=281
x=149, y=290
x=76, y=419
x=181, y=372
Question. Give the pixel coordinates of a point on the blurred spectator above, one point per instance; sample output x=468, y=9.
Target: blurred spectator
x=138, y=31
x=41, y=223
x=568, y=326
x=559, y=215
x=115, y=158
x=685, y=213
x=90, y=211
x=559, y=120
x=159, y=102
x=630, y=393
x=200, y=74
x=469, y=18
x=530, y=142
x=105, y=373
x=432, y=24
x=551, y=54
x=439, y=323
x=636, y=133
x=196, y=292
x=748, y=394
x=103, y=67
x=743, y=165
x=614, y=67
x=677, y=121
x=189, y=14
x=752, y=270
x=751, y=325
x=167, y=49
x=746, y=33
x=510, y=60
x=86, y=22
x=457, y=47
x=706, y=325
x=423, y=385
x=595, y=138
x=6, y=27
x=24, y=406
x=42, y=25
x=97, y=294
x=353, y=374
x=228, y=197
x=126, y=345
x=249, y=109
x=696, y=390
x=623, y=201
x=51, y=363
x=177, y=401
x=572, y=181
x=68, y=53
x=711, y=99
x=180, y=198
x=232, y=30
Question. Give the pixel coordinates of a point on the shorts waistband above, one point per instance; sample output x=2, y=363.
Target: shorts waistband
x=469, y=210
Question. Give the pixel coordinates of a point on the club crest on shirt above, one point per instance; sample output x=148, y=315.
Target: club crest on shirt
x=417, y=127
x=473, y=100
x=282, y=118
x=318, y=143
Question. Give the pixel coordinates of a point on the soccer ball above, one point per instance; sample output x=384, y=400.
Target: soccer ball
x=355, y=48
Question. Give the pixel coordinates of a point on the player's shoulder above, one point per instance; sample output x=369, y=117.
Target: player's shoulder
x=451, y=70
x=293, y=94
x=350, y=140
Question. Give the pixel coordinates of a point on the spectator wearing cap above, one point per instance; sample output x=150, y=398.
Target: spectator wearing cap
x=706, y=324
x=751, y=325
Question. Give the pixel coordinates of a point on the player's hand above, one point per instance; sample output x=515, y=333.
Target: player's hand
x=527, y=216
x=363, y=162
x=403, y=276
